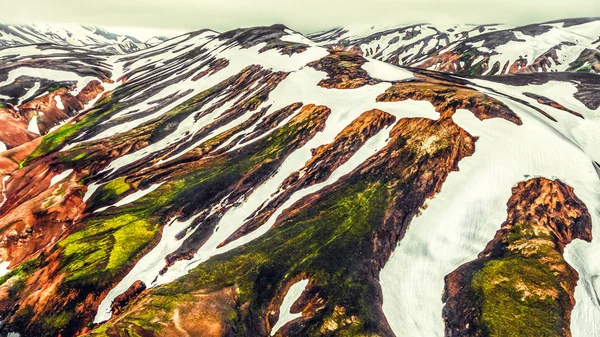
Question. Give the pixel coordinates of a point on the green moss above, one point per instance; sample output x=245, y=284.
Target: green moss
x=99, y=251
x=127, y=238
x=54, y=87
x=586, y=68
x=52, y=141
x=346, y=64
x=116, y=187
x=57, y=322
x=67, y=159
x=109, y=193
x=506, y=309
x=522, y=285
x=322, y=241
x=24, y=269
x=467, y=56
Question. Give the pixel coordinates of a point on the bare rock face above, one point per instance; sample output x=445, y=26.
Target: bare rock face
x=344, y=70
x=37, y=212
x=121, y=301
x=520, y=285
x=14, y=130
x=326, y=159
x=90, y=92
x=447, y=97
x=48, y=112
x=588, y=61
x=45, y=112
x=356, y=223
x=214, y=67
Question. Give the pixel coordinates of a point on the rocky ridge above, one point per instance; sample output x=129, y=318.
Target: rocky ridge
x=211, y=174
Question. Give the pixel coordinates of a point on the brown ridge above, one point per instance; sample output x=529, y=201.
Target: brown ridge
x=523, y=267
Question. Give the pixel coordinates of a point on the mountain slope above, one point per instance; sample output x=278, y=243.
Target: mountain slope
x=567, y=45
x=254, y=183
x=77, y=36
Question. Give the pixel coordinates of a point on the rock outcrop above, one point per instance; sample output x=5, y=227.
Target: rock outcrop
x=520, y=285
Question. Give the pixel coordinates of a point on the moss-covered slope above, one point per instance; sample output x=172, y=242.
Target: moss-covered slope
x=520, y=285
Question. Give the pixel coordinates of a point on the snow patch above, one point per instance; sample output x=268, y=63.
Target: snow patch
x=33, y=125
x=59, y=103
x=4, y=268
x=285, y=316
x=385, y=71
x=30, y=92
x=131, y=198
x=4, y=182
x=472, y=203
x=58, y=178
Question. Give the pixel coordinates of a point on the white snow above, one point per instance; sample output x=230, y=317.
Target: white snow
x=377, y=39
x=53, y=74
x=346, y=105
x=531, y=47
x=59, y=103
x=285, y=316
x=131, y=198
x=60, y=177
x=472, y=204
x=90, y=191
x=2, y=146
x=4, y=182
x=582, y=132
x=296, y=37
x=4, y=268
x=385, y=71
x=33, y=125
x=27, y=50
x=76, y=35
x=30, y=92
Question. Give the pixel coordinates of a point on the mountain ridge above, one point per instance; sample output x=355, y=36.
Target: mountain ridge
x=277, y=187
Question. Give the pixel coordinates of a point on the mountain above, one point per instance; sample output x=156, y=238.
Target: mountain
x=262, y=182
x=402, y=45
x=78, y=36
x=566, y=45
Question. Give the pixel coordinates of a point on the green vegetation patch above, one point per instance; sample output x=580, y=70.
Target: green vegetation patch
x=518, y=297
x=52, y=141
x=323, y=241
x=110, y=192
x=97, y=253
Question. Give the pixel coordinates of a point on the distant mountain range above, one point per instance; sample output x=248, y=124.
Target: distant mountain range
x=567, y=45
x=79, y=36
x=364, y=181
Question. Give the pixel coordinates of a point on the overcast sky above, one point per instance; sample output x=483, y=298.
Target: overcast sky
x=302, y=15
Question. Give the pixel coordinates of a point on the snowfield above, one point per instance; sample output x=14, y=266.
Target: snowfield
x=472, y=204
x=453, y=226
